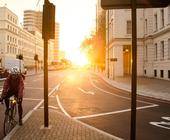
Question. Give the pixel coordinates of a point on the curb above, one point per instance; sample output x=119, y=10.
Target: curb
x=126, y=88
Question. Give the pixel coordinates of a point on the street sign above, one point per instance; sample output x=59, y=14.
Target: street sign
x=113, y=59
x=126, y=4
x=48, y=26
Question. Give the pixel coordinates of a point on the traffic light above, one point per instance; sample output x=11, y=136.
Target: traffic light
x=48, y=27
x=126, y=4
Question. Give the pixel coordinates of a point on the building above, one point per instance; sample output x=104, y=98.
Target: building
x=119, y=42
x=33, y=23
x=14, y=40
x=33, y=20
x=153, y=43
x=56, y=42
x=157, y=43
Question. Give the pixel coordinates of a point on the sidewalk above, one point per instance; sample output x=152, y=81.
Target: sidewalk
x=32, y=72
x=150, y=87
x=61, y=127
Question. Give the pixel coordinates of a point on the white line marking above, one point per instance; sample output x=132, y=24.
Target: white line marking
x=162, y=124
x=127, y=98
x=62, y=109
x=100, y=131
x=34, y=88
x=114, y=112
x=36, y=80
x=91, y=127
x=52, y=107
x=86, y=92
x=31, y=99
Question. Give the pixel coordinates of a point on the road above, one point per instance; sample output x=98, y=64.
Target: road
x=84, y=96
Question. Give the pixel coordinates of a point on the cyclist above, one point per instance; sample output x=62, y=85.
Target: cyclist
x=14, y=85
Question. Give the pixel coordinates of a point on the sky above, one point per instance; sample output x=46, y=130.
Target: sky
x=76, y=18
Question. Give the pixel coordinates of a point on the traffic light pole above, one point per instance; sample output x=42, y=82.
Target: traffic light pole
x=46, y=121
x=48, y=32
x=134, y=72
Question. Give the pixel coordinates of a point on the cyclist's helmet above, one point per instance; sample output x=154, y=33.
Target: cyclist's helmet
x=14, y=71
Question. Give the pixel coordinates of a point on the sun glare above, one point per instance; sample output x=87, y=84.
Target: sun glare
x=78, y=58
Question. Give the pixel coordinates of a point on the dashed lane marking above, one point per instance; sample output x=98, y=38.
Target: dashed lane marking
x=114, y=112
x=86, y=92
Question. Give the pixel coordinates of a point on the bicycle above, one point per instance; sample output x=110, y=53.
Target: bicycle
x=9, y=120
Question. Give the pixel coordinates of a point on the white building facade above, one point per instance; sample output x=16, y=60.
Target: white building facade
x=157, y=43
x=153, y=43
x=14, y=40
x=119, y=40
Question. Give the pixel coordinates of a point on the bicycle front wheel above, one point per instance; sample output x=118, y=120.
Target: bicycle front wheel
x=8, y=123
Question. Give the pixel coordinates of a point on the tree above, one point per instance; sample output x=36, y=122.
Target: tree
x=20, y=57
x=94, y=46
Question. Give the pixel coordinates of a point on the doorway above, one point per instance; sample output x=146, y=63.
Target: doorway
x=127, y=59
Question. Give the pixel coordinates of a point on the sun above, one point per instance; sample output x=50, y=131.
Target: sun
x=78, y=58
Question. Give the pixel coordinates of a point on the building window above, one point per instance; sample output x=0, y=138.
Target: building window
x=8, y=49
x=146, y=26
x=169, y=14
x=156, y=51
x=155, y=73
x=169, y=74
x=162, y=50
x=169, y=48
x=129, y=27
x=7, y=37
x=156, y=22
x=146, y=53
x=162, y=18
x=145, y=72
x=161, y=73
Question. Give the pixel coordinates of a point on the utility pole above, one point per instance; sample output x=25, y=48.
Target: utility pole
x=48, y=32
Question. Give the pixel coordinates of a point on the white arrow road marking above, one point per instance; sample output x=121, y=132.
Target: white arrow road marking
x=162, y=124
x=86, y=92
x=166, y=118
x=114, y=112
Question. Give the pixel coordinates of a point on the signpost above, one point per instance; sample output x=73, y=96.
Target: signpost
x=48, y=32
x=133, y=5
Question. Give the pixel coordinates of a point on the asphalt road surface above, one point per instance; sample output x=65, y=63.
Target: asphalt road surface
x=87, y=98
